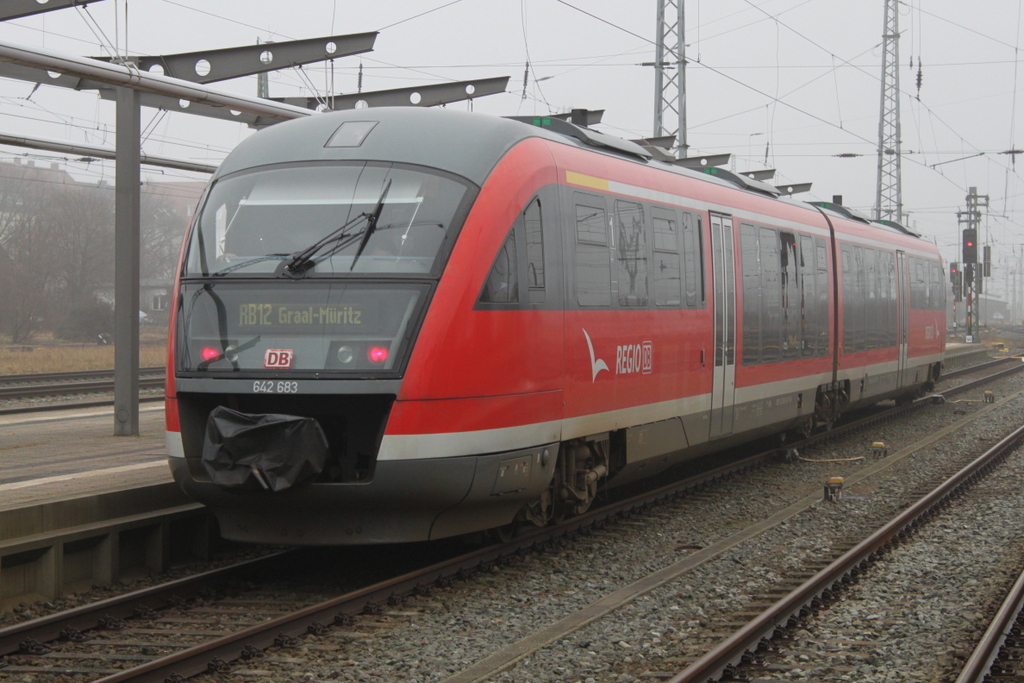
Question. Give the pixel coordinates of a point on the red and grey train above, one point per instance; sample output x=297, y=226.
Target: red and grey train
x=404, y=324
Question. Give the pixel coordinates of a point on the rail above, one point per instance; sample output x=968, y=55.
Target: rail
x=229, y=648
x=45, y=377
x=731, y=651
x=979, y=665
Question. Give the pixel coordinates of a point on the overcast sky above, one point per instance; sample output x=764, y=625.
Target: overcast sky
x=785, y=84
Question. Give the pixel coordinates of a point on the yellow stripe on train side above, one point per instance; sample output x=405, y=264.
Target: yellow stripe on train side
x=590, y=181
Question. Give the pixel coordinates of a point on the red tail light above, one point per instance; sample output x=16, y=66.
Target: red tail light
x=377, y=354
x=170, y=389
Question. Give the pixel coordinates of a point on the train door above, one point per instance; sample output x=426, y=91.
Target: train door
x=723, y=387
x=903, y=313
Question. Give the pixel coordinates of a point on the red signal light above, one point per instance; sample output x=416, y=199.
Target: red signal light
x=377, y=354
x=210, y=353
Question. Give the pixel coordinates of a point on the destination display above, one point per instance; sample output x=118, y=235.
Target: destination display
x=323, y=326
x=274, y=315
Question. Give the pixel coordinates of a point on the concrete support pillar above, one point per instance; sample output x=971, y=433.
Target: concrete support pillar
x=126, y=264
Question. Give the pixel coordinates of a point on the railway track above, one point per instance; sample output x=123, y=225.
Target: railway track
x=754, y=637
x=23, y=645
x=63, y=383
x=981, y=367
x=1000, y=651
x=82, y=375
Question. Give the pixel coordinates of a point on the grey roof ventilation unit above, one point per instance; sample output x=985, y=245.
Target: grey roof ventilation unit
x=902, y=228
x=582, y=117
x=585, y=135
x=853, y=214
x=743, y=182
x=843, y=211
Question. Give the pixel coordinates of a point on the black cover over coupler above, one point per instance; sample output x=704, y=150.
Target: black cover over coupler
x=262, y=452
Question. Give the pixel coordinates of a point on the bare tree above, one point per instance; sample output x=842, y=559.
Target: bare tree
x=57, y=247
x=83, y=217
x=163, y=228
x=27, y=242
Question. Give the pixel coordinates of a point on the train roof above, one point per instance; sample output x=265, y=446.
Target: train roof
x=467, y=144
x=463, y=143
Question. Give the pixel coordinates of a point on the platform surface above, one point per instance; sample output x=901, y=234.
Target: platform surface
x=55, y=456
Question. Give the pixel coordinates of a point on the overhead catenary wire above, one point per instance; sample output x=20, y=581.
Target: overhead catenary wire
x=777, y=100
x=526, y=46
x=1013, y=106
x=845, y=115
x=104, y=42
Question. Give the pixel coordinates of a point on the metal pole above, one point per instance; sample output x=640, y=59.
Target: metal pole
x=126, y=264
x=888, y=197
x=684, y=146
x=659, y=72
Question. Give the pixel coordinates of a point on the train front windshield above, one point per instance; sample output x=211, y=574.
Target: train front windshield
x=256, y=222
x=318, y=268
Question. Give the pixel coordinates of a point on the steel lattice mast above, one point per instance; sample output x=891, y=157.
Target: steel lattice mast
x=670, y=74
x=889, y=198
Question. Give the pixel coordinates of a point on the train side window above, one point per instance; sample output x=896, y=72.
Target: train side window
x=922, y=278
x=809, y=317
x=502, y=284
x=873, y=314
x=591, y=221
x=693, y=261
x=632, y=253
x=937, y=302
x=887, y=266
x=668, y=280
x=918, y=285
x=771, y=295
x=822, y=255
x=534, y=251
x=790, y=287
x=894, y=295
x=823, y=285
x=593, y=262
x=750, y=269
x=860, y=300
x=849, y=299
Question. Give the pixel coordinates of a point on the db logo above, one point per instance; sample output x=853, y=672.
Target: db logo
x=278, y=358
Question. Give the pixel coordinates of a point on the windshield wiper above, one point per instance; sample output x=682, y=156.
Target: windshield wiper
x=302, y=261
x=243, y=264
x=371, y=224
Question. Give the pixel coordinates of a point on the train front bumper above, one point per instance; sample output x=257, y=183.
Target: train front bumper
x=405, y=501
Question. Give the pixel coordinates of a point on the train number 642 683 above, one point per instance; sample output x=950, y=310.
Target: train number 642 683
x=271, y=387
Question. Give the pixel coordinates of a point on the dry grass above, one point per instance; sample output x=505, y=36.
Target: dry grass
x=20, y=360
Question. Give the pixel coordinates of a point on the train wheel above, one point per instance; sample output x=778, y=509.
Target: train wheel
x=581, y=466
x=827, y=405
x=905, y=399
x=503, y=534
x=539, y=512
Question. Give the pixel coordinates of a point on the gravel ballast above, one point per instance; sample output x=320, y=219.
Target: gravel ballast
x=432, y=638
